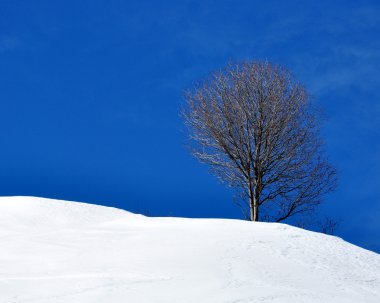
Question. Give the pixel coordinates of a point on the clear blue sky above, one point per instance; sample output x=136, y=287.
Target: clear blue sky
x=90, y=92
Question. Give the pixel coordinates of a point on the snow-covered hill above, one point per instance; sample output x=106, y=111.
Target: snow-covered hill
x=55, y=251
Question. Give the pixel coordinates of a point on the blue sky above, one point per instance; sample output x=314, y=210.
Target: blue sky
x=90, y=93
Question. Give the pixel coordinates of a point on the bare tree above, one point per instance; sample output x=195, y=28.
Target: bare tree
x=329, y=225
x=257, y=129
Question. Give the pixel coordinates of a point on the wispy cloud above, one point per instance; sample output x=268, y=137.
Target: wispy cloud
x=9, y=43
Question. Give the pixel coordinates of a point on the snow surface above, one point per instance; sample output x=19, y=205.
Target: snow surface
x=55, y=251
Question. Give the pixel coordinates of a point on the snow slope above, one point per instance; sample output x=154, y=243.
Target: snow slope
x=55, y=251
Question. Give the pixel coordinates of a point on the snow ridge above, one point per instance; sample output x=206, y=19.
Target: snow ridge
x=56, y=251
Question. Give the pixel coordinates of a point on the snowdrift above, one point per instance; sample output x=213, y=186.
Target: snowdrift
x=56, y=251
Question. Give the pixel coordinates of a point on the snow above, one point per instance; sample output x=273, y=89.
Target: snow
x=57, y=251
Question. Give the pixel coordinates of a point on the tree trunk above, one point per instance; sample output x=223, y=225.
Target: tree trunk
x=256, y=213
x=254, y=209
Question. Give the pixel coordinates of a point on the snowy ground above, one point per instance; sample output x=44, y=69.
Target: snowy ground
x=55, y=251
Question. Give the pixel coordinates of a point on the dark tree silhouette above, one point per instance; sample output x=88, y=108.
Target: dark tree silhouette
x=257, y=129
